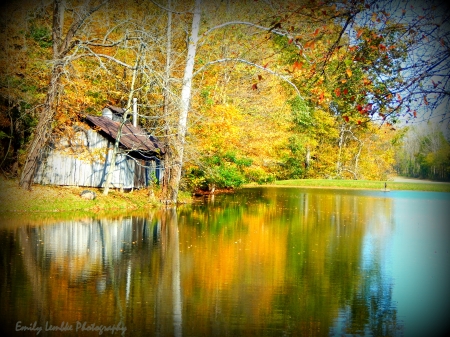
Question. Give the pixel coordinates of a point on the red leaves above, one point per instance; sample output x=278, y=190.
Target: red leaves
x=425, y=100
x=346, y=118
x=260, y=78
x=364, y=110
x=415, y=113
x=254, y=86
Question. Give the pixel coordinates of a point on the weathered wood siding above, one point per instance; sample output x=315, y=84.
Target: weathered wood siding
x=88, y=162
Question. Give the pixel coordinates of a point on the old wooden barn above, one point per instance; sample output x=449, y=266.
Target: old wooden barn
x=83, y=157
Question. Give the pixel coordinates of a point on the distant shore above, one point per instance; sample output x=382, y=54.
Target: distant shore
x=397, y=183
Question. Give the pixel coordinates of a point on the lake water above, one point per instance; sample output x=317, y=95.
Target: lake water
x=259, y=262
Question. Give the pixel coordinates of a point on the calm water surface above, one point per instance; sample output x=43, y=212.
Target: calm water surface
x=260, y=262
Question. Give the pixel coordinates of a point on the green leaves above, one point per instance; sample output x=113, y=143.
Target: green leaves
x=42, y=36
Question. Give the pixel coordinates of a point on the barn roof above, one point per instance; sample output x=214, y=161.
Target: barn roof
x=133, y=138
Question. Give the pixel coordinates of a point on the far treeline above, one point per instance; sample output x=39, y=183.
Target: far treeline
x=238, y=91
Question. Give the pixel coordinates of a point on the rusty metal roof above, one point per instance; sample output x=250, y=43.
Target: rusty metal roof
x=132, y=138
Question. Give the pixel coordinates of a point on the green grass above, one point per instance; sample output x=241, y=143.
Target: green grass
x=365, y=184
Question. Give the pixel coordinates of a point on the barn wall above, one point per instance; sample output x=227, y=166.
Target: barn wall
x=86, y=167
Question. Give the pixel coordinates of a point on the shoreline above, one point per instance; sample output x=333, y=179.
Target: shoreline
x=65, y=201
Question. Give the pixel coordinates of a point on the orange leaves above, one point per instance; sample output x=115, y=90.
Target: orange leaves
x=298, y=65
x=342, y=90
x=348, y=72
x=310, y=44
x=359, y=33
x=367, y=81
x=338, y=92
x=346, y=118
x=425, y=100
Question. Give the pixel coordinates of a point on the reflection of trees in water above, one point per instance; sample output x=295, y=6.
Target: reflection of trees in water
x=354, y=231
x=331, y=283
x=283, y=260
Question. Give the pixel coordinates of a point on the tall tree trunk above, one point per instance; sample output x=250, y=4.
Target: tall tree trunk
x=167, y=149
x=112, y=165
x=341, y=145
x=61, y=47
x=185, y=102
x=43, y=129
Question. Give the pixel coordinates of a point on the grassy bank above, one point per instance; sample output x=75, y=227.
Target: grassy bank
x=365, y=184
x=55, y=199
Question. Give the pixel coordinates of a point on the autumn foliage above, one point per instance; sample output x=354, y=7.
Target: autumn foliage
x=296, y=90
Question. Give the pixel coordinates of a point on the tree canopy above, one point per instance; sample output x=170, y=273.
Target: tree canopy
x=275, y=90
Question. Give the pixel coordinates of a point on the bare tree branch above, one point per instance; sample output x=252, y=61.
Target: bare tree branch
x=284, y=78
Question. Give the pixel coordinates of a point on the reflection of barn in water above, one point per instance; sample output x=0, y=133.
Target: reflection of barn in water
x=83, y=250
x=82, y=156
x=103, y=269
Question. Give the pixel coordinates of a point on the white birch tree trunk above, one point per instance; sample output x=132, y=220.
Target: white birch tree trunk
x=166, y=90
x=185, y=103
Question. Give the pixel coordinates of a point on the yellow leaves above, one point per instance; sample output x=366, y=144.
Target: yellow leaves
x=348, y=72
x=221, y=127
